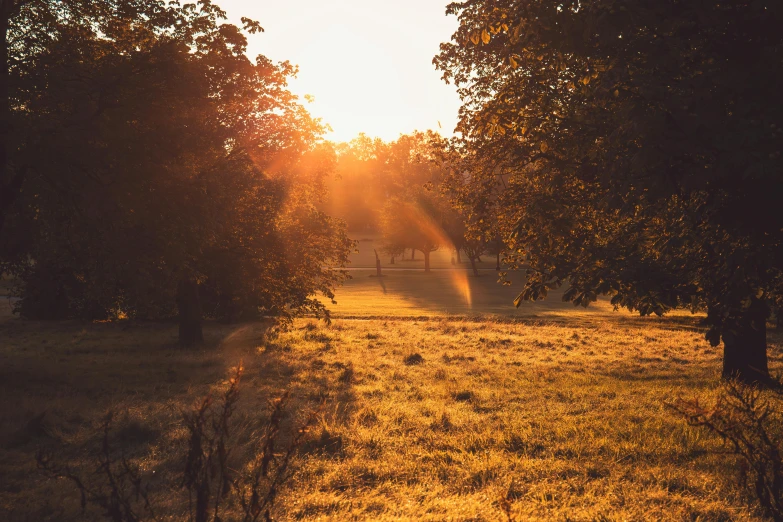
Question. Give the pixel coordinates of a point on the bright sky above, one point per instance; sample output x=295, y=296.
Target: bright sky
x=368, y=63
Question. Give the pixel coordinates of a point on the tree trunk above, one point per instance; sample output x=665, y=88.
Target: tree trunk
x=426, y=261
x=473, y=266
x=497, y=263
x=745, y=346
x=459, y=258
x=189, y=305
x=377, y=264
x=413, y=254
x=392, y=260
x=7, y=191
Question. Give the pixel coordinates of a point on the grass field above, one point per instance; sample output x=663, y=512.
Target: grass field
x=434, y=410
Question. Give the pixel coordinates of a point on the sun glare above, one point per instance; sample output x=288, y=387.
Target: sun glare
x=459, y=278
x=367, y=64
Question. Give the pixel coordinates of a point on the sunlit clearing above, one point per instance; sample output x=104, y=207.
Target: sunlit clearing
x=431, y=229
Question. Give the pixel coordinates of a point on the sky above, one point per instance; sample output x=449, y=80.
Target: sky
x=367, y=63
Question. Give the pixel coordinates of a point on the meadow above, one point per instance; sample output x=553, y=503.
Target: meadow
x=428, y=407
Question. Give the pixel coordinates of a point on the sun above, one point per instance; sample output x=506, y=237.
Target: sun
x=355, y=84
x=366, y=63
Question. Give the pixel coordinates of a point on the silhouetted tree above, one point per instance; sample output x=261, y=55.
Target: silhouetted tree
x=636, y=150
x=168, y=172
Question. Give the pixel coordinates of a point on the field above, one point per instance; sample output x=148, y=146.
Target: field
x=435, y=407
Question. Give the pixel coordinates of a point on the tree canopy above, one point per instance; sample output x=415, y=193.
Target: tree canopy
x=150, y=157
x=635, y=149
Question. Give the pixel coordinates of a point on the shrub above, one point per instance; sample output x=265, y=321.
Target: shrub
x=749, y=421
x=215, y=491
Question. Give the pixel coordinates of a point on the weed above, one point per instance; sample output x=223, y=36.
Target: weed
x=463, y=396
x=750, y=424
x=215, y=491
x=115, y=485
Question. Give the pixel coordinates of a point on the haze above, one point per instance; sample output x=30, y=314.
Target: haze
x=368, y=64
x=213, y=310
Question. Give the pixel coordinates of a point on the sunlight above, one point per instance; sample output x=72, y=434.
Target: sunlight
x=459, y=278
x=367, y=64
x=372, y=260
x=351, y=84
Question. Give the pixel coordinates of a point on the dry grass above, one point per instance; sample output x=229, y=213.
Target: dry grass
x=431, y=418
x=59, y=380
x=428, y=420
x=568, y=423
x=444, y=293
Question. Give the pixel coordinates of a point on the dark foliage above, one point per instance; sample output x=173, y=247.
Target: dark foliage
x=161, y=163
x=630, y=149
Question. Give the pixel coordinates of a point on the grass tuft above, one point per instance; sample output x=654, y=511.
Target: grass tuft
x=414, y=358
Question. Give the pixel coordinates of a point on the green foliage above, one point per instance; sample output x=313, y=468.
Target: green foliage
x=631, y=148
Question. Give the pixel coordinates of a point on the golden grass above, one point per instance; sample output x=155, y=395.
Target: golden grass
x=59, y=380
x=434, y=409
x=567, y=422
x=406, y=294
x=429, y=419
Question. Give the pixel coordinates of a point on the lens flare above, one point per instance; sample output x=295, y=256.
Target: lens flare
x=430, y=229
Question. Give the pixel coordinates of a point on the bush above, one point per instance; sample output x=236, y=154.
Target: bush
x=215, y=491
x=749, y=420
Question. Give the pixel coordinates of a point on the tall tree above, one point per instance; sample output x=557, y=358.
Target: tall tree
x=164, y=167
x=636, y=147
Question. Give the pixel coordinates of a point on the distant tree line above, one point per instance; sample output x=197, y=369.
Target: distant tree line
x=398, y=191
x=149, y=169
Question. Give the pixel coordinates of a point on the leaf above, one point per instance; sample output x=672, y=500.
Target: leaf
x=485, y=36
x=518, y=300
x=474, y=38
x=513, y=62
x=251, y=26
x=543, y=146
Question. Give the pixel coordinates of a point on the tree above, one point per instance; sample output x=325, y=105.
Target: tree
x=636, y=148
x=393, y=251
x=359, y=185
x=414, y=221
x=166, y=169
